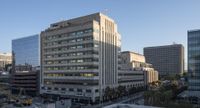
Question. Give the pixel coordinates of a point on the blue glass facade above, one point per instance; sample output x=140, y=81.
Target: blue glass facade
x=194, y=60
x=27, y=50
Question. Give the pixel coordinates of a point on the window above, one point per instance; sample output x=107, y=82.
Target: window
x=56, y=88
x=63, y=89
x=96, y=46
x=78, y=40
x=80, y=46
x=88, y=91
x=72, y=34
x=71, y=89
x=87, y=75
x=72, y=54
x=96, y=90
x=88, y=31
x=48, y=56
x=79, y=60
x=49, y=62
x=72, y=61
x=79, y=90
x=72, y=47
x=79, y=53
x=79, y=67
x=80, y=32
x=72, y=40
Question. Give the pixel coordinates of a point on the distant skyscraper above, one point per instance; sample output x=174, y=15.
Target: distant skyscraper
x=168, y=60
x=26, y=63
x=5, y=58
x=194, y=62
x=79, y=57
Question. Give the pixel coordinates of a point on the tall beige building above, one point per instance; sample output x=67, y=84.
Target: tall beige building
x=131, y=60
x=79, y=57
x=5, y=58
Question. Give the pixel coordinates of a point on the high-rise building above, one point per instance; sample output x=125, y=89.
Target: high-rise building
x=26, y=65
x=79, y=57
x=26, y=50
x=194, y=62
x=168, y=59
x=5, y=58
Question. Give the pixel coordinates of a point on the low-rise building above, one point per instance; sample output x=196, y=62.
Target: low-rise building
x=25, y=82
x=133, y=65
x=4, y=80
x=5, y=58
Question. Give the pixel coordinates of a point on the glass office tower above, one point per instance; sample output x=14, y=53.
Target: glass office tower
x=26, y=65
x=26, y=50
x=194, y=62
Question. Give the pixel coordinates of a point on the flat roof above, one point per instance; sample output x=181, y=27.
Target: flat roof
x=26, y=37
x=163, y=46
x=194, y=30
x=131, y=52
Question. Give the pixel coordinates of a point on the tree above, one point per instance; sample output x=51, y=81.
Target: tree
x=132, y=90
x=121, y=91
x=107, y=93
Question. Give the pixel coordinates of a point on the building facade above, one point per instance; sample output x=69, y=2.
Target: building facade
x=134, y=66
x=168, y=60
x=26, y=65
x=5, y=59
x=26, y=50
x=194, y=62
x=4, y=80
x=25, y=81
x=79, y=57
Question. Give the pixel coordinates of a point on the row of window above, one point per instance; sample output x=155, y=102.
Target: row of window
x=70, y=67
x=75, y=33
x=70, y=89
x=71, y=54
x=65, y=48
x=73, y=61
x=63, y=42
x=74, y=74
x=68, y=82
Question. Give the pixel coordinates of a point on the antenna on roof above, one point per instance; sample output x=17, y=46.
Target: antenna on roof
x=105, y=11
x=174, y=43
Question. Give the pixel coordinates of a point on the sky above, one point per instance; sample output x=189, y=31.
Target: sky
x=141, y=23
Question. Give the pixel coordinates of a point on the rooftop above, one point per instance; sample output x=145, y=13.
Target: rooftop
x=165, y=46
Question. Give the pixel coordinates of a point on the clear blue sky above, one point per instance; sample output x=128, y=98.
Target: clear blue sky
x=141, y=23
